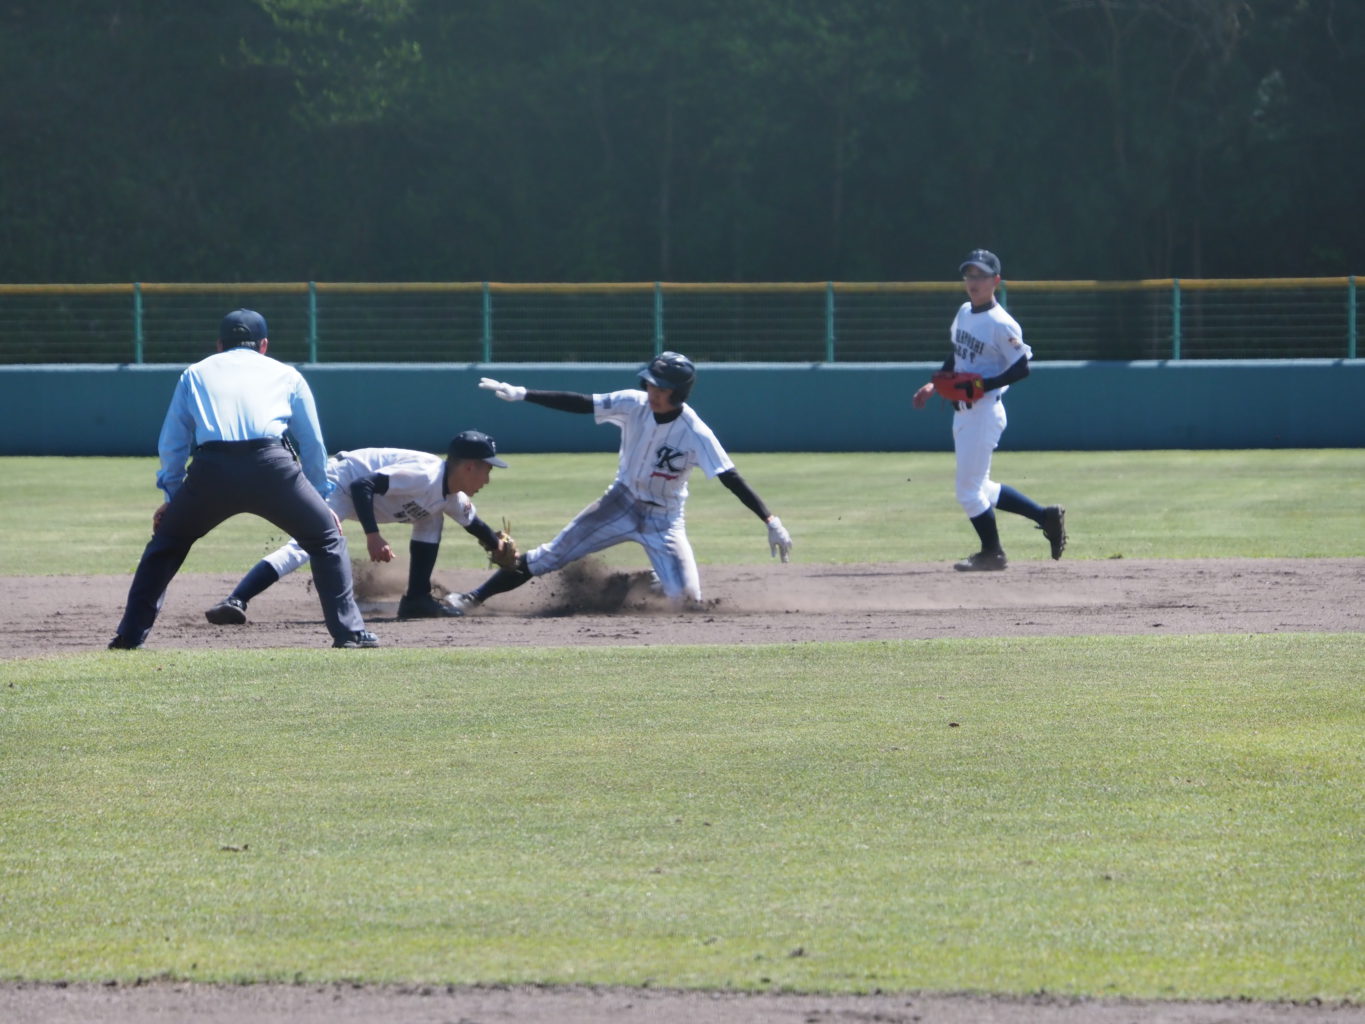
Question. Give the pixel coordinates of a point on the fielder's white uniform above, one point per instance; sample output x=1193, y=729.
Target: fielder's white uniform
x=416, y=496
x=988, y=343
x=645, y=502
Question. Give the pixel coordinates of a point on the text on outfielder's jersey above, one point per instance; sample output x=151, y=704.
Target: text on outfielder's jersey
x=988, y=343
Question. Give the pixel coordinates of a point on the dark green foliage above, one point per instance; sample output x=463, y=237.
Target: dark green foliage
x=530, y=140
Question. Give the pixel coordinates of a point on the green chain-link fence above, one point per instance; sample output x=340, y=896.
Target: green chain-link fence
x=476, y=322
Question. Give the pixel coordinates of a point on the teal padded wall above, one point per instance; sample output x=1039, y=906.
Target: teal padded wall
x=1310, y=403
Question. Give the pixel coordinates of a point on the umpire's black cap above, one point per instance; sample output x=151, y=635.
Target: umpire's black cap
x=983, y=259
x=475, y=444
x=242, y=327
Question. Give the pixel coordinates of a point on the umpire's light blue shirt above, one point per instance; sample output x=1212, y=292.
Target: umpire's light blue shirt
x=240, y=395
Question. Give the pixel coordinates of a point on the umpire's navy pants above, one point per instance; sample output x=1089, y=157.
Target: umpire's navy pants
x=226, y=478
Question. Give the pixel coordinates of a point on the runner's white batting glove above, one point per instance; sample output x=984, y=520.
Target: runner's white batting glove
x=507, y=392
x=779, y=540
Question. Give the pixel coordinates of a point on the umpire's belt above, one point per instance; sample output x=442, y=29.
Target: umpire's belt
x=255, y=444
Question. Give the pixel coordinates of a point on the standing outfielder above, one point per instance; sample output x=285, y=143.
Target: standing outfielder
x=391, y=485
x=662, y=441
x=988, y=355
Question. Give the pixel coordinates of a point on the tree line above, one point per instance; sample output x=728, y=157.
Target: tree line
x=716, y=140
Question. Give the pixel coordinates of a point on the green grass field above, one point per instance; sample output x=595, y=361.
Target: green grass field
x=1152, y=817
x=89, y=515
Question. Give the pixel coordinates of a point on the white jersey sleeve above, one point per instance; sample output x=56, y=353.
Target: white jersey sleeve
x=656, y=459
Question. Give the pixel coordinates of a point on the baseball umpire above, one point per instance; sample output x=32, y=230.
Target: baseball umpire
x=391, y=485
x=231, y=411
x=988, y=355
x=662, y=441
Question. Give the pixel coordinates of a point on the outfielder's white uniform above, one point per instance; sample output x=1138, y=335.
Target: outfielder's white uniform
x=645, y=502
x=416, y=495
x=987, y=343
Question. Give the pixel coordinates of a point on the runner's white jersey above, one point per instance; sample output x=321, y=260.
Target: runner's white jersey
x=657, y=458
x=987, y=343
x=416, y=492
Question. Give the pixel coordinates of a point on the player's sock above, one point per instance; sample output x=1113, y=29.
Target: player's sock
x=1011, y=500
x=421, y=562
x=502, y=581
x=987, y=531
x=260, y=576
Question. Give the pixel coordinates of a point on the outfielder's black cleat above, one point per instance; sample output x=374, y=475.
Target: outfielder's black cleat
x=120, y=644
x=228, y=612
x=424, y=606
x=364, y=638
x=982, y=561
x=1054, y=529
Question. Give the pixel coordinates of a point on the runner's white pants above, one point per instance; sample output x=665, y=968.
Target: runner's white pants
x=618, y=517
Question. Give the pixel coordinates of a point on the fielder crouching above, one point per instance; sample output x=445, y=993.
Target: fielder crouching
x=391, y=485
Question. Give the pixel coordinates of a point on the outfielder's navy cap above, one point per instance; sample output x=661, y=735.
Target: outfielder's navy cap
x=475, y=444
x=242, y=327
x=983, y=259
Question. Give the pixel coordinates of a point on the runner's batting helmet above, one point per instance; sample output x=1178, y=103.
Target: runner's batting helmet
x=671, y=370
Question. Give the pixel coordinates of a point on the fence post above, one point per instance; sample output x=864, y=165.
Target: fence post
x=829, y=321
x=658, y=318
x=312, y=321
x=1351, y=317
x=1175, y=318
x=487, y=324
x=137, y=322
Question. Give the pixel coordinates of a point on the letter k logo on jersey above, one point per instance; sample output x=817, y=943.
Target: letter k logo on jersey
x=666, y=461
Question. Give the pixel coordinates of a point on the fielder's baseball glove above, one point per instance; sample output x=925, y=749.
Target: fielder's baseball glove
x=505, y=555
x=958, y=387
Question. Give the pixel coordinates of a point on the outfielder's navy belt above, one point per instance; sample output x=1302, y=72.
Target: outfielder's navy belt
x=967, y=405
x=255, y=444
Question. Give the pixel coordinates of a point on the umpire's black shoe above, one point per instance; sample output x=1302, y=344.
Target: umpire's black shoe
x=364, y=638
x=120, y=644
x=1054, y=529
x=228, y=612
x=424, y=606
x=982, y=561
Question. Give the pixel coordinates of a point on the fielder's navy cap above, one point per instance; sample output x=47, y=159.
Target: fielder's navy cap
x=983, y=259
x=242, y=327
x=475, y=444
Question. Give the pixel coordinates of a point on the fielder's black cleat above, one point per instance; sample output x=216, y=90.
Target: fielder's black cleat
x=364, y=638
x=228, y=612
x=1054, y=529
x=120, y=644
x=982, y=561
x=424, y=606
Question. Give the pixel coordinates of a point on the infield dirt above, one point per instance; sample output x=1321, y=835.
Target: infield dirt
x=767, y=603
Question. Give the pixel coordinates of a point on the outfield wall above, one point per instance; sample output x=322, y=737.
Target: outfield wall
x=99, y=409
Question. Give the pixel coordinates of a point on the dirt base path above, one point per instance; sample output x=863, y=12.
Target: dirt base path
x=744, y=604
x=164, y=1003
x=770, y=603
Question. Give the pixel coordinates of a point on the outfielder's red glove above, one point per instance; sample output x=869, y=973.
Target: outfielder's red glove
x=959, y=387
